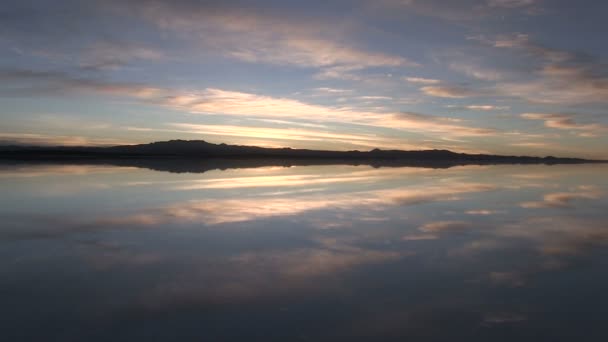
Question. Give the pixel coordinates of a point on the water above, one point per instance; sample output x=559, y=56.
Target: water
x=311, y=253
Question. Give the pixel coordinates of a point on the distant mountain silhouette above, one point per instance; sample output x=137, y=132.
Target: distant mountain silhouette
x=200, y=156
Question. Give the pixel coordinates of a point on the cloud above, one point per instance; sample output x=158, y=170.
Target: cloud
x=511, y=3
x=519, y=40
x=374, y=98
x=217, y=101
x=561, y=85
x=480, y=107
x=510, y=279
x=566, y=122
x=483, y=212
x=73, y=34
x=445, y=226
x=450, y=91
x=477, y=72
x=523, y=42
x=267, y=36
x=458, y=10
x=290, y=136
x=434, y=124
x=420, y=80
x=40, y=22
x=213, y=101
x=534, y=144
x=563, y=77
x=106, y=55
x=338, y=72
x=57, y=140
x=420, y=237
x=26, y=82
x=93, y=35
x=450, y=11
x=486, y=107
x=333, y=90
x=502, y=317
x=556, y=76
x=318, y=53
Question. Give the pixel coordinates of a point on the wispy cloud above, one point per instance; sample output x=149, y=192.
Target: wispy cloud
x=333, y=91
x=420, y=237
x=479, y=107
x=25, y=82
x=113, y=55
x=567, y=122
x=256, y=36
x=445, y=226
x=561, y=85
x=217, y=101
x=477, y=72
x=318, y=53
x=511, y=279
x=486, y=107
x=451, y=91
x=213, y=101
x=288, y=135
x=57, y=140
x=482, y=212
x=421, y=80
x=562, y=78
x=511, y=3
x=375, y=98
x=533, y=144
x=523, y=42
x=461, y=10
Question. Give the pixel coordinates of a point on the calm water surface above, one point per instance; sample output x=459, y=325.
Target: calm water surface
x=311, y=253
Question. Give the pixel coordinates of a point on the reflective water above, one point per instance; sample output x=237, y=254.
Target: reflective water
x=311, y=253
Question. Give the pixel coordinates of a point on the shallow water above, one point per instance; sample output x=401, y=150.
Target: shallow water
x=311, y=253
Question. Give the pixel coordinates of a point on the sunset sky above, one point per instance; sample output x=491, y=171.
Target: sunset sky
x=491, y=76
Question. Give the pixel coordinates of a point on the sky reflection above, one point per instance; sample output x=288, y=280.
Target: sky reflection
x=356, y=252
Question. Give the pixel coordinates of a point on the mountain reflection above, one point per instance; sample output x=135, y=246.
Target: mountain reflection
x=358, y=251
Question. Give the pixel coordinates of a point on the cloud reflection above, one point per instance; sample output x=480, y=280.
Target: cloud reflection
x=564, y=199
x=429, y=242
x=213, y=212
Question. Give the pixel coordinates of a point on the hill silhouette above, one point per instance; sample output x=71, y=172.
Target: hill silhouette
x=200, y=156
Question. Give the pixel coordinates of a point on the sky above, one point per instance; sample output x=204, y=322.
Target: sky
x=524, y=77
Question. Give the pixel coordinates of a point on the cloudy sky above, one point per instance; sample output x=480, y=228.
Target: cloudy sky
x=496, y=76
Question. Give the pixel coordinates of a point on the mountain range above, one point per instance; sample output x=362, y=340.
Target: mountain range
x=200, y=156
